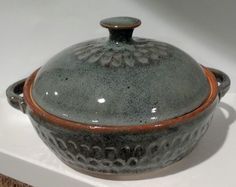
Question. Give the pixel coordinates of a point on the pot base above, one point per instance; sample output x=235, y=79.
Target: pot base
x=139, y=175
x=122, y=154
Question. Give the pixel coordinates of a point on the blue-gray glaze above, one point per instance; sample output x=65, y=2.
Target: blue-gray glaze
x=119, y=83
x=123, y=152
x=116, y=23
x=120, y=28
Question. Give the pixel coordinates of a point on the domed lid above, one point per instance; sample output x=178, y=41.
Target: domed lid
x=120, y=80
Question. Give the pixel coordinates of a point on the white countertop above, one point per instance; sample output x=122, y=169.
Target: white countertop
x=33, y=31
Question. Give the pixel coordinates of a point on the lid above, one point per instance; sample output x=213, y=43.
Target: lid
x=120, y=80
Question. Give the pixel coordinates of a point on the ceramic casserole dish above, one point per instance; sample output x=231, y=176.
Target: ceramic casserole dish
x=122, y=104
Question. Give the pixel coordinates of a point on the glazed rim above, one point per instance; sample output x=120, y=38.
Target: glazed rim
x=38, y=111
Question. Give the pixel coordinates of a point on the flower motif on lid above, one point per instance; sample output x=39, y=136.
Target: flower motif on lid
x=141, y=51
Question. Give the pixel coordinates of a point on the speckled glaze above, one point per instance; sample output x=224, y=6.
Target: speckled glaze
x=121, y=105
x=123, y=153
x=120, y=80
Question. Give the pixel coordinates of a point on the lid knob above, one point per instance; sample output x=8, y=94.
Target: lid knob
x=120, y=28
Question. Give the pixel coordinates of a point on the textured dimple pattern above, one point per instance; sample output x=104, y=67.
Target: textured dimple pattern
x=122, y=153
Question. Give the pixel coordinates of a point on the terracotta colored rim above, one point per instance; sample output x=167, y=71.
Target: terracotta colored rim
x=37, y=110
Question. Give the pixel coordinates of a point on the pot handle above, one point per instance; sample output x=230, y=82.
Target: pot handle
x=223, y=81
x=14, y=97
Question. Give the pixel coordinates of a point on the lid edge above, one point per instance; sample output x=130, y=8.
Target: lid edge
x=36, y=109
